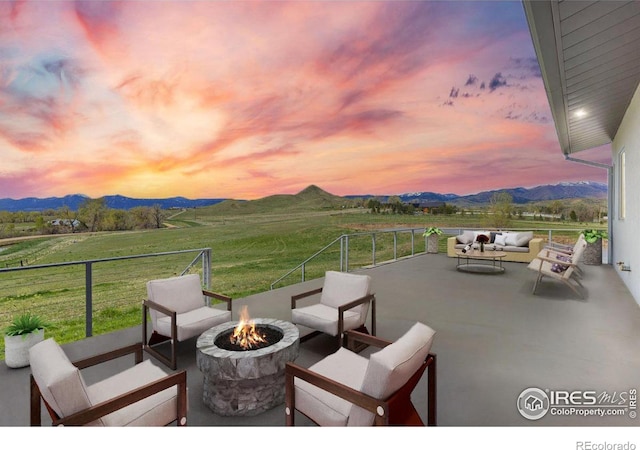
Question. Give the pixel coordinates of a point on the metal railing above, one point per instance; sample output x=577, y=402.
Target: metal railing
x=52, y=290
x=345, y=241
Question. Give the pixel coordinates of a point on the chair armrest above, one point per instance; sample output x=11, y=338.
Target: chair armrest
x=559, y=246
x=549, y=252
x=347, y=306
x=562, y=250
x=360, y=301
x=95, y=412
x=555, y=260
x=107, y=356
x=295, y=298
x=356, y=336
x=358, y=398
x=153, y=305
x=217, y=296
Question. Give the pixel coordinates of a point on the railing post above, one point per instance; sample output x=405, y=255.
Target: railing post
x=88, y=314
x=413, y=237
x=303, y=269
x=373, y=248
x=206, y=267
x=342, y=253
x=549, y=241
x=395, y=245
x=346, y=254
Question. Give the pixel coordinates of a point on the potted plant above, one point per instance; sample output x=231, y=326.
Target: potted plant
x=593, y=252
x=432, y=234
x=24, y=332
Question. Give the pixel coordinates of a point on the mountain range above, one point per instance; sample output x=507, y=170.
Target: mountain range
x=520, y=195
x=586, y=189
x=74, y=201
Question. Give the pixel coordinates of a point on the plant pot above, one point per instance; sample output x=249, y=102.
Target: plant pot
x=593, y=253
x=16, y=348
x=432, y=243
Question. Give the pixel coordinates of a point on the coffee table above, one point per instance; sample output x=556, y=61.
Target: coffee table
x=472, y=261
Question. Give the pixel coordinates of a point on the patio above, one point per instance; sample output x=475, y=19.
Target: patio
x=494, y=339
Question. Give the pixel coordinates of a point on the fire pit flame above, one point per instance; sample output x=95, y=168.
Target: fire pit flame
x=245, y=334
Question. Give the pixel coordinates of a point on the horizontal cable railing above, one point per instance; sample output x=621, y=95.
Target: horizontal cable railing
x=78, y=296
x=359, y=249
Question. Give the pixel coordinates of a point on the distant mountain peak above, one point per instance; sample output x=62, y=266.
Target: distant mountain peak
x=312, y=189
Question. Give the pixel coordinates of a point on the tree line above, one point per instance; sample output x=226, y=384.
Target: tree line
x=501, y=209
x=91, y=215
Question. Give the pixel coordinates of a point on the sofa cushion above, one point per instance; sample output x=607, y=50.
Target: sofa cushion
x=466, y=237
x=518, y=239
x=514, y=249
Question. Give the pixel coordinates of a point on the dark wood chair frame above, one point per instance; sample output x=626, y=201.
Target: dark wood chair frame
x=341, y=309
x=95, y=412
x=157, y=338
x=397, y=409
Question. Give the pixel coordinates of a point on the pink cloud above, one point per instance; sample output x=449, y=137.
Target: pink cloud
x=245, y=99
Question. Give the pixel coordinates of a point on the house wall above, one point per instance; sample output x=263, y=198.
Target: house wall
x=626, y=232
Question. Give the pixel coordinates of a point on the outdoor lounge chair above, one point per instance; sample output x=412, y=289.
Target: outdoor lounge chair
x=143, y=395
x=178, y=312
x=564, y=249
x=559, y=266
x=345, y=388
x=344, y=305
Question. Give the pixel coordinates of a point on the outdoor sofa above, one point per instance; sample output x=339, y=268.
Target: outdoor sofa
x=520, y=246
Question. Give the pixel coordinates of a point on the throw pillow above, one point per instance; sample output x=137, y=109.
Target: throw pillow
x=501, y=239
x=559, y=268
x=493, y=235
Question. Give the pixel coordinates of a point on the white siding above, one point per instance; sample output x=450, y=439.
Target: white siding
x=626, y=232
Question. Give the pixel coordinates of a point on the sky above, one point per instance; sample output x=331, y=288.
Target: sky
x=244, y=99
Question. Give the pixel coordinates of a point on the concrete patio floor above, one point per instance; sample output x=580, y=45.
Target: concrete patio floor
x=494, y=339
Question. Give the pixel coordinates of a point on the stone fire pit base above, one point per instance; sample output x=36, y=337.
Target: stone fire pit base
x=245, y=383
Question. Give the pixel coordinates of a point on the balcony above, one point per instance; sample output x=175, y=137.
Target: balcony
x=494, y=339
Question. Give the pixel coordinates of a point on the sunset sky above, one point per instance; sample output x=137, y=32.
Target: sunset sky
x=244, y=99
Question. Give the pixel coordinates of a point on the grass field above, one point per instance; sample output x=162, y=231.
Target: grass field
x=252, y=246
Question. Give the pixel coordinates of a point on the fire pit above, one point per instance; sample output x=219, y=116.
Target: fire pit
x=243, y=364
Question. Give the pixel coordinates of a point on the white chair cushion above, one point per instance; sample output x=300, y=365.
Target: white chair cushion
x=59, y=381
x=180, y=294
x=390, y=368
x=340, y=288
x=321, y=406
x=324, y=318
x=193, y=323
x=158, y=409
